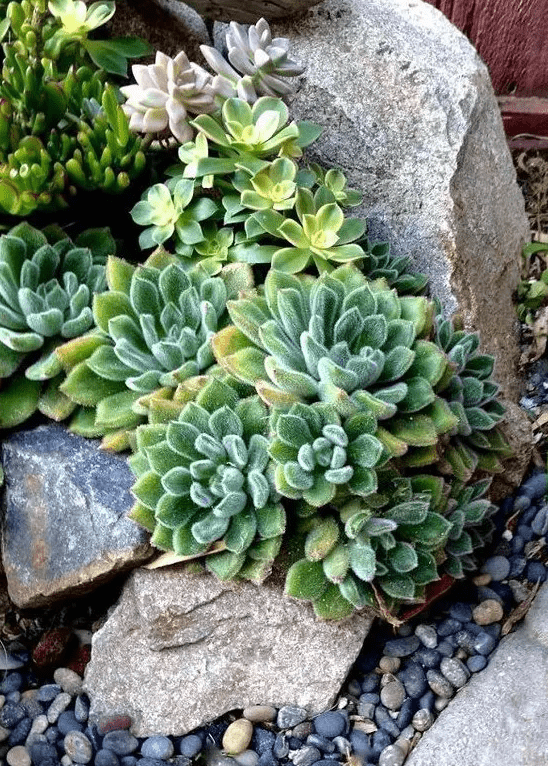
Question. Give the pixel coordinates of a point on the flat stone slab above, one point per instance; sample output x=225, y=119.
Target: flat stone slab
x=179, y=650
x=501, y=715
x=64, y=529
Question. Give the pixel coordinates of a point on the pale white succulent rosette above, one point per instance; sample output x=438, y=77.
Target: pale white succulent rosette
x=165, y=93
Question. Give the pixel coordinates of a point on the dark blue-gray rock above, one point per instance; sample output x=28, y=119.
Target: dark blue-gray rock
x=67, y=722
x=379, y=741
x=539, y=524
x=393, y=755
x=281, y=746
x=517, y=565
x=536, y=486
x=12, y=682
x=484, y=643
x=128, y=760
x=401, y=647
x=157, y=747
x=406, y=713
x=535, y=571
x=439, y=684
x=385, y=721
x=448, y=626
x=361, y=743
x=81, y=708
x=414, y=680
x=517, y=544
x=48, y=692
x=476, y=663
x=497, y=567
x=324, y=744
x=342, y=744
x=330, y=724
x=446, y=648
x=120, y=742
x=500, y=716
x=65, y=505
x=306, y=756
x=262, y=740
x=106, y=758
x=20, y=732
x=455, y=671
x=191, y=745
x=427, y=635
x=370, y=682
x=290, y=715
x=460, y=611
x=428, y=658
x=11, y=714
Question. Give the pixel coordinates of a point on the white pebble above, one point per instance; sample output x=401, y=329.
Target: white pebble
x=59, y=704
x=247, y=758
x=422, y=720
x=428, y=635
x=66, y=760
x=392, y=755
x=68, y=680
x=440, y=703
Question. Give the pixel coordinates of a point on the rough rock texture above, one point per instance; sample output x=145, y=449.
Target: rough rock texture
x=249, y=11
x=410, y=116
x=200, y=648
x=501, y=715
x=64, y=529
x=518, y=430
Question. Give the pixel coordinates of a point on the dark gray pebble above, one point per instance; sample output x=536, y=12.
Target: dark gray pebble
x=465, y=640
x=67, y=722
x=11, y=714
x=406, y=713
x=446, y=648
x=81, y=708
x=128, y=760
x=94, y=737
x=521, y=503
x=461, y=611
x=40, y=751
x=484, y=643
x=498, y=567
x=14, y=697
x=476, y=663
x=370, y=682
x=52, y=734
x=342, y=744
x=535, y=571
x=525, y=532
x=354, y=687
x=330, y=724
x=291, y=715
x=361, y=743
x=536, y=486
x=267, y=759
x=322, y=743
x=325, y=762
x=306, y=756
x=370, y=697
x=385, y=721
x=428, y=658
x=448, y=626
x=517, y=544
x=48, y=692
x=517, y=565
x=366, y=709
x=157, y=747
x=455, y=671
x=494, y=629
x=262, y=741
x=180, y=760
x=150, y=762
x=281, y=746
x=427, y=701
x=528, y=515
x=539, y=524
x=402, y=647
x=379, y=741
x=20, y=732
x=439, y=684
x=106, y=758
x=120, y=742
x=414, y=680
x=191, y=745
x=405, y=629
x=295, y=743
x=11, y=683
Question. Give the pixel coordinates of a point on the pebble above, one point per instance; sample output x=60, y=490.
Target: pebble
x=260, y=713
x=448, y=626
x=366, y=709
x=360, y=743
x=389, y=664
x=78, y=747
x=484, y=643
x=539, y=524
x=517, y=565
x=281, y=746
x=67, y=722
x=455, y=671
x=303, y=730
x=380, y=740
x=429, y=658
x=237, y=737
x=190, y=745
x=11, y=683
x=342, y=745
x=120, y=742
x=393, y=755
x=498, y=567
x=106, y=758
x=487, y=612
x=445, y=648
x=461, y=611
x=68, y=680
x=324, y=744
x=370, y=682
x=439, y=684
x=330, y=724
x=290, y=715
x=476, y=663
x=20, y=733
x=48, y=692
x=157, y=747
x=405, y=713
x=18, y=756
x=385, y=721
x=535, y=571
x=422, y=720
x=536, y=486
x=247, y=758
x=414, y=680
x=441, y=703
x=402, y=647
x=305, y=756
x=427, y=635
x=393, y=695
x=60, y=703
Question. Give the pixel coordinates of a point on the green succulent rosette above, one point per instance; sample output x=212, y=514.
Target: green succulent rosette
x=380, y=263
x=206, y=478
x=345, y=341
x=47, y=284
x=155, y=325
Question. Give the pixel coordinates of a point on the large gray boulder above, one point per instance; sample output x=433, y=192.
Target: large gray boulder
x=501, y=715
x=410, y=117
x=64, y=528
x=180, y=650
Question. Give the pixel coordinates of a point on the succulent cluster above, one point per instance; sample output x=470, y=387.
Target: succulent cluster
x=47, y=284
x=61, y=127
x=288, y=393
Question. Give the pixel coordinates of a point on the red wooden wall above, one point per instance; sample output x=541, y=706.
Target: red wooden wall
x=511, y=36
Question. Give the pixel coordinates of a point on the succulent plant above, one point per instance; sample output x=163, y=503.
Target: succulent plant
x=332, y=180
x=318, y=455
x=164, y=95
x=155, y=326
x=46, y=291
x=272, y=188
x=264, y=63
x=206, y=478
x=379, y=263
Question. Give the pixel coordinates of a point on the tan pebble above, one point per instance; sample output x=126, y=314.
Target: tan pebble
x=302, y=730
x=482, y=579
x=387, y=678
x=488, y=612
x=68, y=680
x=389, y=664
x=403, y=744
x=4, y=734
x=2, y=701
x=260, y=713
x=238, y=736
x=461, y=654
x=367, y=726
x=66, y=760
x=18, y=756
x=440, y=703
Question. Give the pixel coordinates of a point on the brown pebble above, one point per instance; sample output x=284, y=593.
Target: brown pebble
x=238, y=736
x=367, y=726
x=260, y=713
x=482, y=579
x=389, y=664
x=18, y=756
x=108, y=723
x=302, y=730
x=488, y=612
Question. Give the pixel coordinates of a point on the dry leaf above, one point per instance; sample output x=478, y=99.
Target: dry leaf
x=520, y=611
x=540, y=330
x=169, y=559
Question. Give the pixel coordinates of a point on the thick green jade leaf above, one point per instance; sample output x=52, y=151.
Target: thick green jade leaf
x=271, y=521
x=415, y=430
x=336, y=564
x=358, y=593
x=265, y=550
x=85, y=387
x=18, y=401
x=332, y=605
x=9, y=361
x=53, y=404
x=362, y=560
x=79, y=349
x=148, y=489
x=116, y=411
x=83, y=423
x=403, y=558
x=401, y=587
x=225, y=565
x=321, y=539
x=306, y=580
x=143, y=516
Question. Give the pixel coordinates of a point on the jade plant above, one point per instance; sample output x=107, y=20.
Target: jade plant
x=206, y=478
x=47, y=284
x=153, y=332
x=61, y=127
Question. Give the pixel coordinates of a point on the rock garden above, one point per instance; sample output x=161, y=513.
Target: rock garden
x=272, y=391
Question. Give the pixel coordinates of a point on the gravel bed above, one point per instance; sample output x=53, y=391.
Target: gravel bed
x=399, y=684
